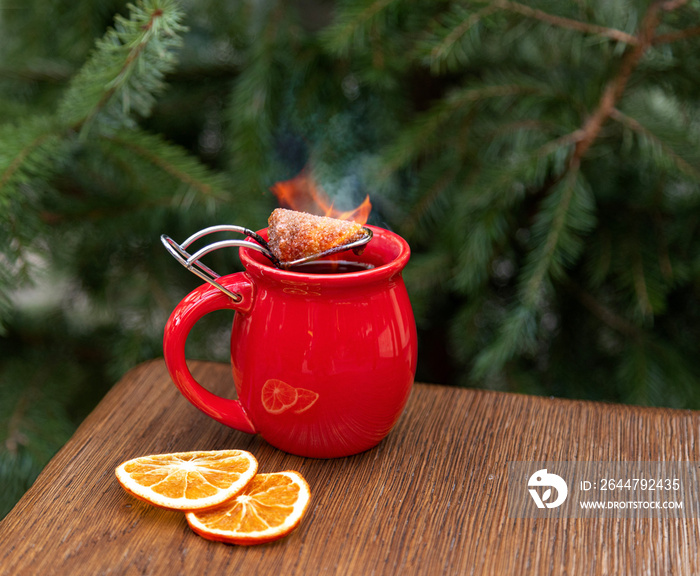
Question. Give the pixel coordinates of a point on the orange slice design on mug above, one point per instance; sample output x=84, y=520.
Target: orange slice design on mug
x=305, y=400
x=278, y=397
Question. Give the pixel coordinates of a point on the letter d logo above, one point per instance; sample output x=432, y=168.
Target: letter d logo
x=543, y=478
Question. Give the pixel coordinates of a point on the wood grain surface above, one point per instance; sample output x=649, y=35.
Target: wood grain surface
x=430, y=499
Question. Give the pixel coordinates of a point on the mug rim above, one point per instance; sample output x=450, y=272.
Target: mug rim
x=259, y=265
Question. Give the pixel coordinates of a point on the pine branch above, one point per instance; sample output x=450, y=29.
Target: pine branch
x=563, y=142
x=30, y=153
x=173, y=160
x=653, y=372
x=616, y=87
x=446, y=39
x=20, y=146
x=256, y=101
x=424, y=133
x=567, y=214
x=493, y=195
x=433, y=194
x=517, y=335
x=670, y=5
x=355, y=22
x=130, y=59
x=682, y=164
x=676, y=36
x=127, y=67
x=456, y=33
x=568, y=23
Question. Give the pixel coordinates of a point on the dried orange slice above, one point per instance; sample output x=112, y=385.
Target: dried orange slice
x=188, y=480
x=277, y=396
x=268, y=508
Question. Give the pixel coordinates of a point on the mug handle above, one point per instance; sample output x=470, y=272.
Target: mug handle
x=201, y=301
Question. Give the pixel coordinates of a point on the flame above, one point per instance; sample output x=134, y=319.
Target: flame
x=303, y=194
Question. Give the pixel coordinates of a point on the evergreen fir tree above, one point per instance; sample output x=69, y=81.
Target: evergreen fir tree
x=541, y=157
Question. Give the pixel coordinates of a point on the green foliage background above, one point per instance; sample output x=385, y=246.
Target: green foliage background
x=541, y=157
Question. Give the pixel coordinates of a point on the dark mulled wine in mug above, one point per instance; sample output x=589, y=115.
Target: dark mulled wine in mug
x=331, y=267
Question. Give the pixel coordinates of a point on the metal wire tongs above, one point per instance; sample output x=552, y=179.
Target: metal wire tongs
x=192, y=263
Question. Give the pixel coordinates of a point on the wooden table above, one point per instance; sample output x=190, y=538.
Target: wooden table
x=430, y=499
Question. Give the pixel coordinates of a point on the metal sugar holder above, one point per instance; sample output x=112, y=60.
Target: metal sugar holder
x=193, y=264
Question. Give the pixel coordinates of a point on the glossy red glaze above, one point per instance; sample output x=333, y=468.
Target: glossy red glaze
x=323, y=364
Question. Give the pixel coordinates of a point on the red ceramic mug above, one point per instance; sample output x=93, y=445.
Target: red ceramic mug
x=323, y=364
